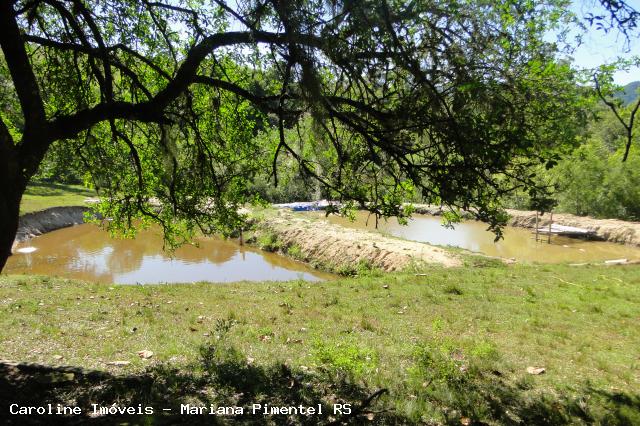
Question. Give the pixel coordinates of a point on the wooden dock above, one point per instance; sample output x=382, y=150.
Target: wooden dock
x=567, y=231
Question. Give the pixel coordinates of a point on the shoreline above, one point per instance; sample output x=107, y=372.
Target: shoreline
x=37, y=223
x=322, y=246
x=345, y=251
x=611, y=230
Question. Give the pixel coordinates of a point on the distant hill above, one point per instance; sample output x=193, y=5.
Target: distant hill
x=629, y=93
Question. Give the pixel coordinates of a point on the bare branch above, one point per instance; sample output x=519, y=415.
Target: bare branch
x=627, y=127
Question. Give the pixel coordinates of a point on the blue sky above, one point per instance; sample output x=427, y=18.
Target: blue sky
x=599, y=48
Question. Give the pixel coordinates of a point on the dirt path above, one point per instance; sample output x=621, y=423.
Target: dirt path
x=340, y=249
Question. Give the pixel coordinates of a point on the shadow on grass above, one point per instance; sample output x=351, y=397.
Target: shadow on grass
x=224, y=378
x=55, y=189
x=221, y=379
x=495, y=401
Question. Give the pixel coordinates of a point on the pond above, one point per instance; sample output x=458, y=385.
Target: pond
x=518, y=243
x=87, y=252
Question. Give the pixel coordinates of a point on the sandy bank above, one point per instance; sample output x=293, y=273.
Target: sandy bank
x=38, y=223
x=342, y=249
x=613, y=230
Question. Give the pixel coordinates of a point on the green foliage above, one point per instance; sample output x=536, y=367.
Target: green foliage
x=345, y=359
x=268, y=241
x=61, y=164
x=295, y=251
x=453, y=289
x=580, y=178
x=594, y=181
x=290, y=181
x=372, y=103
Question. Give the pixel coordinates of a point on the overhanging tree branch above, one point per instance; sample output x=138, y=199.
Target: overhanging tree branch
x=22, y=74
x=628, y=127
x=152, y=110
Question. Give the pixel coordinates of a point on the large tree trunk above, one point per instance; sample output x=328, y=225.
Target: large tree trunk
x=9, y=216
x=12, y=187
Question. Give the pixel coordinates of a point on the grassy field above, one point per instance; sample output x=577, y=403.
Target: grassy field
x=452, y=346
x=42, y=195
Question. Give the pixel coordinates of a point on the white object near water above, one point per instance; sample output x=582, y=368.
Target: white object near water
x=564, y=230
x=26, y=250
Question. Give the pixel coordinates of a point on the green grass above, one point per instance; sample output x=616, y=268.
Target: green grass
x=42, y=195
x=450, y=345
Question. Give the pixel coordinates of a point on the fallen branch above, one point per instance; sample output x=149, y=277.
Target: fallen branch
x=360, y=409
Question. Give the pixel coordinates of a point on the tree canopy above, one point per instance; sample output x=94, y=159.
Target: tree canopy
x=163, y=101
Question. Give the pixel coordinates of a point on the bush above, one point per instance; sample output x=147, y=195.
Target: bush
x=594, y=181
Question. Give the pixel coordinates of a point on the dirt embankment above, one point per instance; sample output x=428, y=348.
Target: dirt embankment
x=435, y=210
x=340, y=249
x=38, y=223
x=613, y=230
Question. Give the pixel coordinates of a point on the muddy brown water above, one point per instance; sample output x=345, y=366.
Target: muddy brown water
x=87, y=252
x=518, y=243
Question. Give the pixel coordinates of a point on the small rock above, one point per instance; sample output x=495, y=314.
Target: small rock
x=536, y=370
x=118, y=363
x=145, y=354
x=58, y=357
x=386, y=286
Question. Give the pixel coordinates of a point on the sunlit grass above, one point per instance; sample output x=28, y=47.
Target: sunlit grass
x=579, y=323
x=42, y=195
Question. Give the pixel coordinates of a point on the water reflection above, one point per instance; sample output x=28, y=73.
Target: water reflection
x=518, y=243
x=87, y=252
